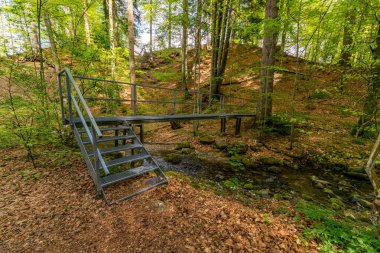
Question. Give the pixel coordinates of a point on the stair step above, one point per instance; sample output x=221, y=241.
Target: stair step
x=163, y=181
x=114, y=178
x=118, y=148
x=111, y=138
x=82, y=131
x=128, y=159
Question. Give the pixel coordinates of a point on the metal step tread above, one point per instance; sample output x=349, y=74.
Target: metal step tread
x=127, y=159
x=82, y=131
x=117, y=177
x=111, y=138
x=163, y=181
x=118, y=148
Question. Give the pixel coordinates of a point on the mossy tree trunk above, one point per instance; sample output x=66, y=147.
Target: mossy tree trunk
x=264, y=105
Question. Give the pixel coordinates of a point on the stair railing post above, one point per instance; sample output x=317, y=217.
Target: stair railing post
x=61, y=98
x=174, y=101
x=96, y=161
x=69, y=100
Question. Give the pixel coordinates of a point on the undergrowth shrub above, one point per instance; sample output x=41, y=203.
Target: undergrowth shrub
x=336, y=235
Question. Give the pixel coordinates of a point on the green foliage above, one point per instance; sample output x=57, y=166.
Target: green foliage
x=280, y=124
x=337, y=235
x=320, y=94
x=236, y=163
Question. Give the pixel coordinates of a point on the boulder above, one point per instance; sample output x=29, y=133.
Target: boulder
x=221, y=145
x=356, y=175
x=173, y=158
x=237, y=148
x=275, y=169
x=268, y=160
x=182, y=145
x=207, y=140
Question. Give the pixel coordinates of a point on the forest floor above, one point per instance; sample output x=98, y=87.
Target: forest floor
x=52, y=208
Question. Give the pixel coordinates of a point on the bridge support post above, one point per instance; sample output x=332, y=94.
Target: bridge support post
x=237, y=126
x=223, y=125
x=142, y=133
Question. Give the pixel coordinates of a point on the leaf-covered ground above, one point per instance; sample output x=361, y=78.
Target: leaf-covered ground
x=53, y=209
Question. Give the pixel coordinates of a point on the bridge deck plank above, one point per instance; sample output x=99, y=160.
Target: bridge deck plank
x=166, y=118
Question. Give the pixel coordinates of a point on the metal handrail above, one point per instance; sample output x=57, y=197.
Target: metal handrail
x=159, y=87
x=83, y=102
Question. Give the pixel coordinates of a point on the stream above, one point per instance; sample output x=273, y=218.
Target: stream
x=286, y=182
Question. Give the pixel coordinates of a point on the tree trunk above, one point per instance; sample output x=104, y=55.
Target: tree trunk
x=150, y=27
x=285, y=26
x=185, y=23
x=34, y=40
x=170, y=24
x=131, y=40
x=86, y=24
x=220, y=39
x=53, y=45
x=371, y=101
x=371, y=172
x=197, y=39
x=111, y=36
x=347, y=38
x=264, y=104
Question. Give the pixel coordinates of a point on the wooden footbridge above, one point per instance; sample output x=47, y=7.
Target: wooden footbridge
x=112, y=151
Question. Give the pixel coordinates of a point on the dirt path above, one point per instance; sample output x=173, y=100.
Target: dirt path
x=58, y=213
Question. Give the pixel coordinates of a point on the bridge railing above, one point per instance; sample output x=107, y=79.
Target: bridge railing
x=173, y=100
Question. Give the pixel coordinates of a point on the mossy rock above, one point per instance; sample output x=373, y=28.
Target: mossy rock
x=248, y=186
x=221, y=145
x=337, y=167
x=173, y=158
x=328, y=191
x=337, y=204
x=183, y=145
x=268, y=160
x=248, y=162
x=186, y=151
x=307, y=197
x=356, y=175
x=207, y=140
x=275, y=169
x=265, y=193
x=237, y=149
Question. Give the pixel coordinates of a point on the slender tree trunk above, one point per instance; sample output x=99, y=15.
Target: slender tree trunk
x=131, y=40
x=150, y=27
x=111, y=36
x=295, y=84
x=34, y=40
x=197, y=39
x=285, y=26
x=106, y=16
x=264, y=105
x=53, y=45
x=371, y=172
x=86, y=24
x=185, y=23
x=170, y=24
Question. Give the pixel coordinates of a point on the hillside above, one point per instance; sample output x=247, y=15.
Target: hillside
x=246, y=193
